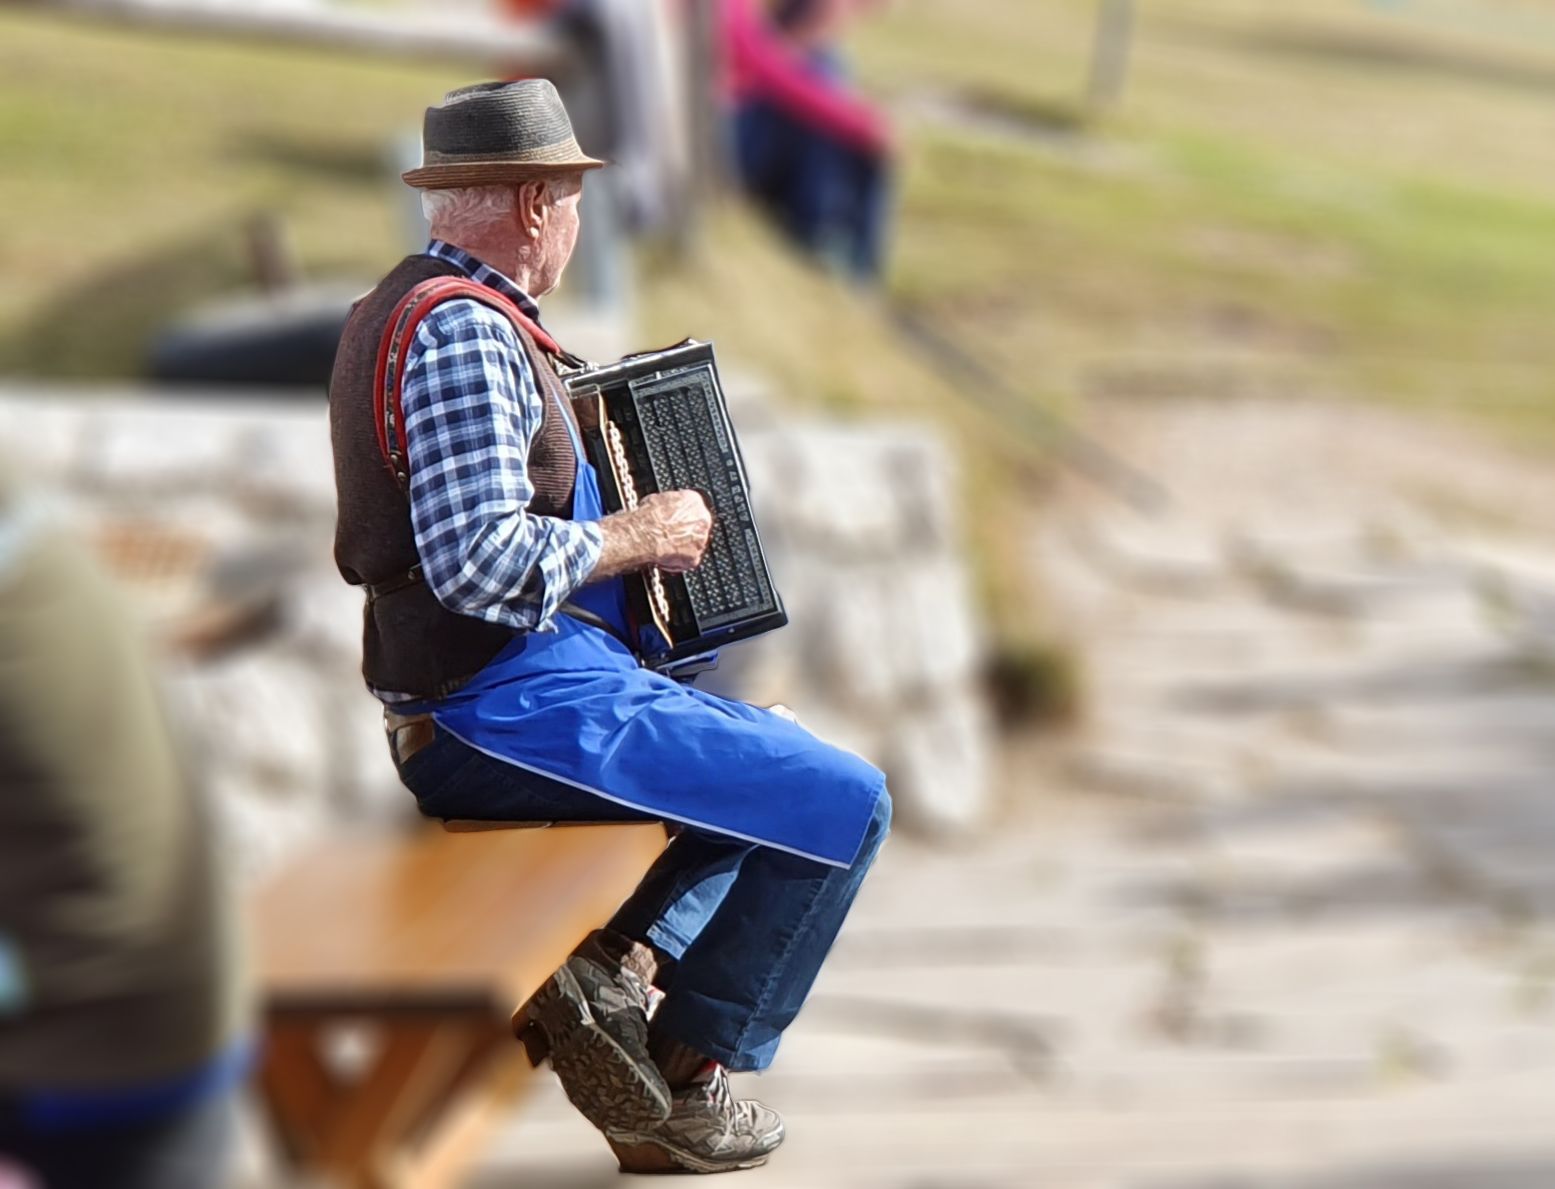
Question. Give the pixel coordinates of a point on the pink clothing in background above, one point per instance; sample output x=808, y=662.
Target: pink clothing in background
x=12, y=1177
x=761, y=65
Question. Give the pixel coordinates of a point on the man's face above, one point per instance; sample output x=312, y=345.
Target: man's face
x=559, y=227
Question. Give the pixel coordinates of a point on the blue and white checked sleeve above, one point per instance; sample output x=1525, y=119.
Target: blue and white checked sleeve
x=471, y=410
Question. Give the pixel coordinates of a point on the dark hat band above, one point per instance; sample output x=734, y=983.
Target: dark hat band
x=565, y=153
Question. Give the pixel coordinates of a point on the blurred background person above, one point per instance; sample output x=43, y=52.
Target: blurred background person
x=122, y=1028
x=631, y=111
x=809, y=149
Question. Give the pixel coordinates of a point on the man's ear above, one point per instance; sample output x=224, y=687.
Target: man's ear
x=531, y=209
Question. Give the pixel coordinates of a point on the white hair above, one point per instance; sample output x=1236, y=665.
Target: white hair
x=469, y=207
x=474, y=208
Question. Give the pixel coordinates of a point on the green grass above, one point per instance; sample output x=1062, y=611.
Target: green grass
x=1395, y=287
x=133, y=162
x=1323, y=200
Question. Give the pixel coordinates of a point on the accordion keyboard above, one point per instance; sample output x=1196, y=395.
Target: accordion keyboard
x=689, y=446
x=657, y=422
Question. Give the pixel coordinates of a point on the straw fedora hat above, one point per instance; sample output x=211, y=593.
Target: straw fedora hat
x=491, y=133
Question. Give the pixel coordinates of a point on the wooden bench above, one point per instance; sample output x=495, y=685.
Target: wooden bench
x=427, y=941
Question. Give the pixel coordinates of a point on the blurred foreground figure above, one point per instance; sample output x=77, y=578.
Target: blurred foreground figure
x=494, y=635
x=809, y=148
x=122, y=1037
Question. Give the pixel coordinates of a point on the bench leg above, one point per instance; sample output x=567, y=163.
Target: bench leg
x=416, y=1113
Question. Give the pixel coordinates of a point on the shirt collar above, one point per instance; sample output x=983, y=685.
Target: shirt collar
x=479, y=271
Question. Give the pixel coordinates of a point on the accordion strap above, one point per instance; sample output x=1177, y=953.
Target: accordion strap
x=408, y=315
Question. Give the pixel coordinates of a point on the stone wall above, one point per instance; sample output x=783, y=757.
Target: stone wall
x=217, y=513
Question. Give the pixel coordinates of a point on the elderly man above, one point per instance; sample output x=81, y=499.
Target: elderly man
x=477, y=546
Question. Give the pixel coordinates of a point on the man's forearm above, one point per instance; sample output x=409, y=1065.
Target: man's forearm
x=629, y=542
x=668, y=529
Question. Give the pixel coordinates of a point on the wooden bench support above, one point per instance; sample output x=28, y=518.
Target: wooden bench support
x=428, y=940
x=393, y=1125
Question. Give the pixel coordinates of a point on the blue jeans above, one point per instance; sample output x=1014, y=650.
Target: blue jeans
x=831, y=199
x=747, y=925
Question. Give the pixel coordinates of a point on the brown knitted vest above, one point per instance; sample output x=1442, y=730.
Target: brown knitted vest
x=411, y=643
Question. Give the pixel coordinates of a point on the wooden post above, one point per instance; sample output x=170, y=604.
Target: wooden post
x=271, y=254
x=600, y=269
x=1110, y=54
x=709, y=163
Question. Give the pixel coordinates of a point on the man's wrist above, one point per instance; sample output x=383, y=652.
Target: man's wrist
x=629, y=541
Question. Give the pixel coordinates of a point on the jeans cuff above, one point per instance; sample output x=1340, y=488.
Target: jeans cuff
x=686, y=1018
x=662, y=937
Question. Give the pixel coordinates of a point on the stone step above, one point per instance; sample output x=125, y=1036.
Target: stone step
x=1515, y=720
x=1145, y=770
x=1430, y=676
x=1158, y=557
x=1357, y=591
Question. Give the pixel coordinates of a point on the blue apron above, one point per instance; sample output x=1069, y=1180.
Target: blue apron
x=574, y=705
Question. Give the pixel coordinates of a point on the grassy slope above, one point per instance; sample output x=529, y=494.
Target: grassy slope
x=134, y=160
x=1329, y=198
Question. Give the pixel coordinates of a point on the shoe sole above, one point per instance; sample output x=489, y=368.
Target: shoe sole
x=609, y=1087
x=649, y=1155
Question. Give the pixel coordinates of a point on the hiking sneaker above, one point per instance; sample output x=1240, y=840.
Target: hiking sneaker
x=708, y=1131
x=591, y=1019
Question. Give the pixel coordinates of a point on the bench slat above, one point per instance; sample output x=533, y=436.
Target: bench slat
x=439, y=919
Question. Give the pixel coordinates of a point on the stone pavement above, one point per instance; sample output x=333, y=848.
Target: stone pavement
x=1279, y=913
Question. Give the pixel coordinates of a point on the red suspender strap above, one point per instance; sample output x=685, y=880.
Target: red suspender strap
x=389, y=376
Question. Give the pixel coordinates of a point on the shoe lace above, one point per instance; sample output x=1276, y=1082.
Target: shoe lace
x=738, y=1115
x=715, y=1088
x=638, y=989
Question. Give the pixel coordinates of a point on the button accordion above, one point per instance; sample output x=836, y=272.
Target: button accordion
x=659, y=422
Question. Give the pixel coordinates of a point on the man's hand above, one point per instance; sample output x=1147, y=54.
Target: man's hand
x=668, y=529
x=682, y=523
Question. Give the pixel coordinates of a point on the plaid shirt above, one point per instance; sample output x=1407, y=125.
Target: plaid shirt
x=472, y=407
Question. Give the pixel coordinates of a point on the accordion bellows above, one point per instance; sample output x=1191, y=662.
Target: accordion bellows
x=659, y=422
